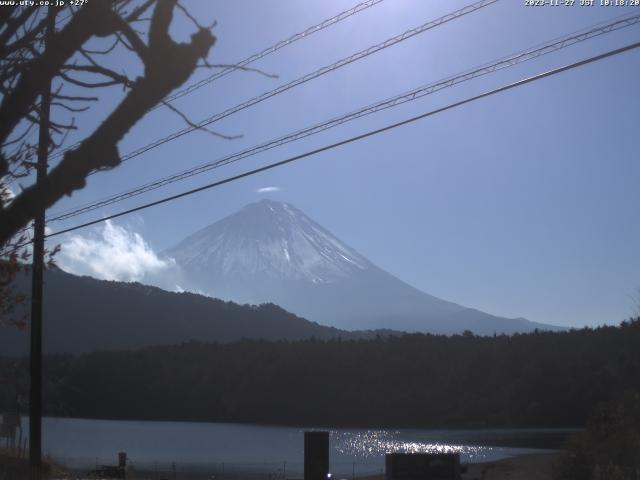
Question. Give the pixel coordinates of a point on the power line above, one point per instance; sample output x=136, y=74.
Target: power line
x=531, y=53
x=505, y=62
x=256, y=56
x=274, y=48
x=270, y=166
x=311, y=76
x=315, y=74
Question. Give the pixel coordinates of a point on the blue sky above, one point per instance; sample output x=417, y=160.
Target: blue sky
x=522, y=204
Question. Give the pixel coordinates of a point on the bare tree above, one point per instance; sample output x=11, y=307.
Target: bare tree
x=28, y=64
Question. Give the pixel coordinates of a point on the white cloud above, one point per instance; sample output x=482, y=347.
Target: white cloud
x=114, y=253
x=268, y=189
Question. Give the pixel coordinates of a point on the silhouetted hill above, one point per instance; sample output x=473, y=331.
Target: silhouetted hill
x=82, y=314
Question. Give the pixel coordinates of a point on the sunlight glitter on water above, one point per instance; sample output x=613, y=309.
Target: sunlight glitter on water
x=78, y=442
x=376, y=443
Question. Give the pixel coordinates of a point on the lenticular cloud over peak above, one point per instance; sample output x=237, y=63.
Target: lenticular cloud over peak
x=268, y=190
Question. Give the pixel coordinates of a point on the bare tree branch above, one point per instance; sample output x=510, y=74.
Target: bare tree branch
x=199, y=127
x=135, y=42
x=74, y=98
x=81, y=83
x=115, y=76
x=167, y=65
x=13, y=24
x=68, y=108
x=92, y=19
x=102, y=52
x=190, y=17
x=135, y=15
x=205, y=64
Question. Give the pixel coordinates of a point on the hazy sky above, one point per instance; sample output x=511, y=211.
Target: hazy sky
x=523, y=204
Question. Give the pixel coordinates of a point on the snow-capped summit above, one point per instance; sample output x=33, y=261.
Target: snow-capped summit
x=268, y=238
x=272, y=252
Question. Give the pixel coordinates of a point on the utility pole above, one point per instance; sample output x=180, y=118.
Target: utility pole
x=35, y=397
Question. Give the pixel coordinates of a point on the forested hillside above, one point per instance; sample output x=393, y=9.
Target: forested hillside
x=538, y=379
x=83, y=314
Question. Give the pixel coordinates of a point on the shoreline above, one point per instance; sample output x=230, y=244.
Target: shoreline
x=529, y=466
x=532, y=466
x=338, y=426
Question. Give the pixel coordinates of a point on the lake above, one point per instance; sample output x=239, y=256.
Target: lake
x=224, y=447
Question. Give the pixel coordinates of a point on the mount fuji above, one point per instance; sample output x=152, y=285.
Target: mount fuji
x=272, y=252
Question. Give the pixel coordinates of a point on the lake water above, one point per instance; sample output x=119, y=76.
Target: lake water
x=81, y=444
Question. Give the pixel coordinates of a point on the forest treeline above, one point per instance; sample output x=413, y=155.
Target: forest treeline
x=541, y=379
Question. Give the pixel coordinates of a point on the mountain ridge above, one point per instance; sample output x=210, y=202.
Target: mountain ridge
x=271, y=251
x=84, y=314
